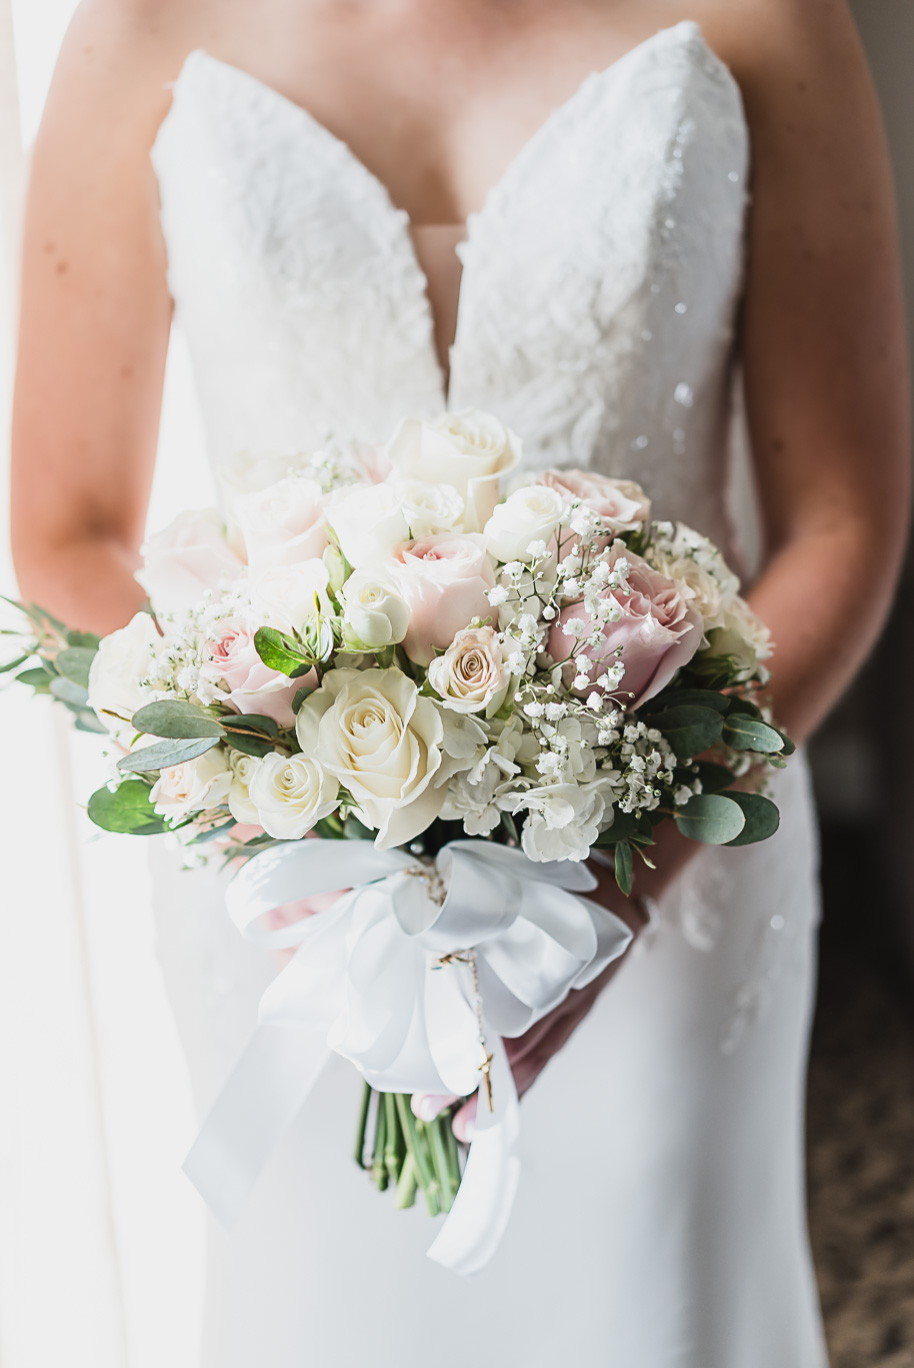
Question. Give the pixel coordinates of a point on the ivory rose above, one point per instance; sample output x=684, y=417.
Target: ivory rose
x=291, y=794
x=429, y=508
x=241, y=805
x=185, y=560
x=444, y=579
x=527, y=516
x=742, y=636
x=471, y=675
x=282, y=524
x=374, y=613
x=656, y=631
x=372, y=732
x=252, y=687
x=123, y=660
x=471, y=450
x=193, y=786
x=621, y=503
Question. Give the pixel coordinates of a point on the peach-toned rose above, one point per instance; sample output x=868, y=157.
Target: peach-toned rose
x=190, y=556
x=621, y=503
x=253, y=686
x=444, y=579
x=471, y=675
x=656, y=633
x=283, y=524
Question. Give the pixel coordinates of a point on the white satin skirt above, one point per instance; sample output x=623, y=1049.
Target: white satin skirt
x=660, y=1221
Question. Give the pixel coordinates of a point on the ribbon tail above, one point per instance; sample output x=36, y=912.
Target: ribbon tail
x=262, y=1095
x=482, y=1208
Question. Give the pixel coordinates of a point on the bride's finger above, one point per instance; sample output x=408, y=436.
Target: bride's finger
x=429, y=1105
x=464, y=1123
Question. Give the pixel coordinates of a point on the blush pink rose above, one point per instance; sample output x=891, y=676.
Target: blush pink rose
x=189, y=557
x=253, y=686
x=444, y=579
x=657, y=633
x=621, y=503
x=282, y=524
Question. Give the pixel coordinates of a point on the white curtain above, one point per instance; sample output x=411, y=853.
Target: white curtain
x=100, y=1234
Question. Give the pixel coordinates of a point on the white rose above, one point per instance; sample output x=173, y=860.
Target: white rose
x=375, y=614
x=282, y=524
x=743, y=636
x=124, y=659
x=471, y=451
x=291, y=794
x=189, y=557
x=368, y=520
x=562, y=821
x=429, y=508
x=241, y=805
x=471, y=675
x=382, y=742
x=701, y=588
x=193, y=786
x=288, y=596
x=530, y=514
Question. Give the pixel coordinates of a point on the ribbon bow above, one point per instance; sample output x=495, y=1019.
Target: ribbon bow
x=405, y=975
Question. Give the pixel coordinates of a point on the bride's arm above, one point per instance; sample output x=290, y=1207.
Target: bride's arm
x=95, y=317
x=822, y=341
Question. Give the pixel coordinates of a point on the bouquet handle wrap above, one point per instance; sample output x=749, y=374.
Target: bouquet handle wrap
x=404, y=976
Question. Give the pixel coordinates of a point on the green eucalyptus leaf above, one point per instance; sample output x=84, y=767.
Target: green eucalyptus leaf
x=713, y=777
x=249, y=745
x=14, y=664
x=37, y=678
x=256, y=722
x=747, y=733
x=176, y=719
x=283, y=653
x=89, y=640
x=128, y=809
x=711, y=818
x=762, y=818
x=624, y=867
x=737, y=704
x=74, y=663
x=789, y=746
x=300, y=697
x=74, y=695
x=163, y=754
x=698, y=698
x=86, y=721
x=689, y=729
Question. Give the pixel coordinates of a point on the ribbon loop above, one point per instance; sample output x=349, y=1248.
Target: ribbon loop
x=401, y=976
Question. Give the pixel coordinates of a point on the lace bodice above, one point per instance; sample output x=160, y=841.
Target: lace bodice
x=598, y=295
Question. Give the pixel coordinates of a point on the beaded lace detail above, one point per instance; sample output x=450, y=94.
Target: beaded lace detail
x=600, y=279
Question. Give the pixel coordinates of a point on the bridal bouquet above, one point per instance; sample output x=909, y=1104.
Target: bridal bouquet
x=481, y=679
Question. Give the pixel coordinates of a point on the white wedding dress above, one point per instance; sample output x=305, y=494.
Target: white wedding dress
x=660, y=1220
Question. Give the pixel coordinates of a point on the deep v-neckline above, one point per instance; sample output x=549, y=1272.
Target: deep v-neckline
x=686, y=31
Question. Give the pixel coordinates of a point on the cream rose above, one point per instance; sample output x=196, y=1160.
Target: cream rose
x=743, y=636
x=471, y=675
x=622, y=504
x=283, y=524
x=429, y=508
x=123, y=659
x=368, y=521
x=529, y=515
x=445, y=580
x=292, y=794
x=471, y=451
x=189, y=557
x=241, y=805
x=375, y=614
x=197, y=784
x=372, y=732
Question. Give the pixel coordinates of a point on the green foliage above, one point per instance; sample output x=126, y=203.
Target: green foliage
x=762, y=818
x=177, y=720
x=66, y=691
x=713, y=777
x=128, y=810
x=711, y=818
x=74, y=663
x=284, y=653
x=749, y=734
x=37, y=678
x=163, y=754
x=623, y=868
x=699, y=698
x=689, y=729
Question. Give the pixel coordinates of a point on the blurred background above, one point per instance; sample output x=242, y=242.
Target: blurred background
x=91, y=1194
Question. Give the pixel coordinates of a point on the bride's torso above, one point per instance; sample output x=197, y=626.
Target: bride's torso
x=596, y=304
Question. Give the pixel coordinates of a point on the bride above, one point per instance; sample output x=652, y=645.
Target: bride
x=577, y=215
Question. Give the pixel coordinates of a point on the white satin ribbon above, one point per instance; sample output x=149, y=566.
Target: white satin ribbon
x=367, y=982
